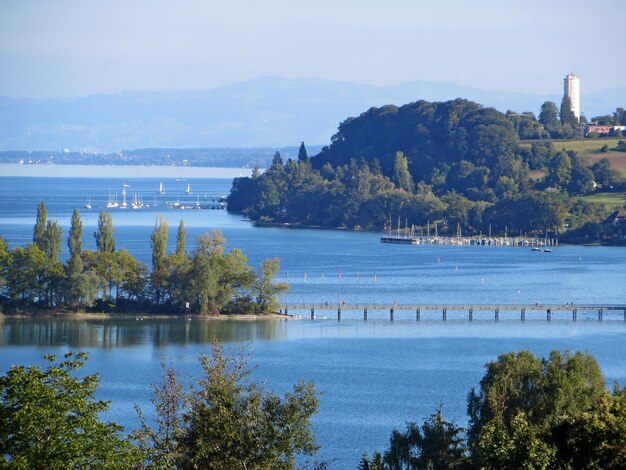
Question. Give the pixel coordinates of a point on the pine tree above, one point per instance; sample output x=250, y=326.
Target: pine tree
x=75, y=244
x=40, y=227
x=303, y=156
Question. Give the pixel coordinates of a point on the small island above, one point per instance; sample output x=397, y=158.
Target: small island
x=205, y=281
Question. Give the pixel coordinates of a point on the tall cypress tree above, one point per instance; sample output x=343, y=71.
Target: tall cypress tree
x=401, y=176
x=303, y=155
x=181, y=236
x=104, y=235
x=39, y=232
x=158, y=241
x=53, y=238
x=75, y=244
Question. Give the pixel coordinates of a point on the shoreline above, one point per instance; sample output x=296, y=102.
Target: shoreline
x=144, y=316
x=297, y=225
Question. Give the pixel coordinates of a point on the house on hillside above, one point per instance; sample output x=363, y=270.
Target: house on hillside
x=602, y=131
x=616, y=219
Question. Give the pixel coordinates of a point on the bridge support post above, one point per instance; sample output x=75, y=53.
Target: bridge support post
x=312, y=313
x=365, y=314
x=600, y=315
x=497, y=315
x=391, y=314
x=574, y=315
x=445, y=314
x=417, y=315
x=549, y=315
x=523, y=318
x=471, y=314
x=339, y=314
x=286, y=313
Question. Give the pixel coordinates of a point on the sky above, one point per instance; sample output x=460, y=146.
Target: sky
x=69, y=48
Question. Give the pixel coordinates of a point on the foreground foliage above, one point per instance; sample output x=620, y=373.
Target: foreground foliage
x=529, y=413
x=49, y=420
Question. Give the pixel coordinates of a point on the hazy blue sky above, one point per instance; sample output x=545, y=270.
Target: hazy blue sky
x=80, y=47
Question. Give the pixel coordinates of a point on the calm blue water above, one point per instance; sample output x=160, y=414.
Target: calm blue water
x=374, y=376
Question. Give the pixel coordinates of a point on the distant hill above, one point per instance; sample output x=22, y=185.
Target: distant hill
x=265, y=112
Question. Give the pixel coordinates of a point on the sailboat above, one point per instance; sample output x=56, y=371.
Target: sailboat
x=123, y=205
x=188, y=190
x=161, y=188
x=112, y=203
x=88, y=203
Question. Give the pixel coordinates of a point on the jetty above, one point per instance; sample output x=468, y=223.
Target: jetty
x=499, y=311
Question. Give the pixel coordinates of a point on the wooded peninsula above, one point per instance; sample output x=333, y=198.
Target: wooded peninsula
x=454, y=163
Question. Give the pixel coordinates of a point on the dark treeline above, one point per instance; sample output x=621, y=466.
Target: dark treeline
x=456, y=163
x=527, y=413
x=204, y=281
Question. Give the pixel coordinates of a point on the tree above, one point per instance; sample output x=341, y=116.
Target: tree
x=5, y=262
x=303, y=156
x=603, y=173
x=49, y=419
x=437, y=445
x=232, y=423
x=559, y=170
x=401, y=176
x=277, y=160
x=26, y=273
x=75, y=245
x=53, y=238
x=203, y=273
x=104, y=236
x=161, y=446
x=523, y=397
x=566, y=113
x=159, y=275
x=595, y=438
x=40, y=227
x=265, y=288
x=54, y=273
x=549, y=114
x=181, y=238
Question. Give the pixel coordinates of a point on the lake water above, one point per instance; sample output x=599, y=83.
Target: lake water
x=374, y=375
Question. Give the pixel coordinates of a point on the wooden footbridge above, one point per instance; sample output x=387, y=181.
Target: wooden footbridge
x=499, y=310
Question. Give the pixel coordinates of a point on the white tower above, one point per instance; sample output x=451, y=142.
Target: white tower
x=572, y=90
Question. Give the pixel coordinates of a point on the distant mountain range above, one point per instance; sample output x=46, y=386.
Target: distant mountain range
x=265, y=112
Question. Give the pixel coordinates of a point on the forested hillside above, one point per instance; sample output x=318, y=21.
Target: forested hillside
x=454, y=162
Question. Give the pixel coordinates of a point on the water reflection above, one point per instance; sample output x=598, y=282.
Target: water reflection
x=112, y=333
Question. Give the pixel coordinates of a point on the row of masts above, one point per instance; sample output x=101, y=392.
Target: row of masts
x=409, y=235
x=137, y=202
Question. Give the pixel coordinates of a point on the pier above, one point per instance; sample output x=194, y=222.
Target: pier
x=467, y=311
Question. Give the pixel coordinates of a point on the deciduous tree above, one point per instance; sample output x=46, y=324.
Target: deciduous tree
x=49, y=419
